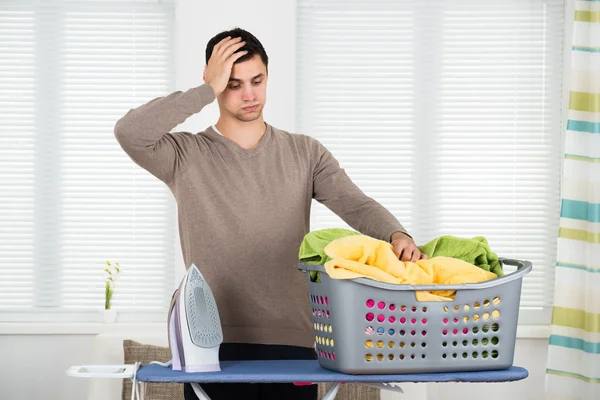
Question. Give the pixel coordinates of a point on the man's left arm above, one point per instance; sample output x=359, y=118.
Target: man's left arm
x=334, y=188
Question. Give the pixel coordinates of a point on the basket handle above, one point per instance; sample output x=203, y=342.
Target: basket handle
x=523, y=268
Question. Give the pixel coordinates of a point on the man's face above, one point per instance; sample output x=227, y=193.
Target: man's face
x=246, y=93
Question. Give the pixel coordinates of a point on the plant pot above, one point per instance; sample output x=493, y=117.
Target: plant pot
x=110, y=315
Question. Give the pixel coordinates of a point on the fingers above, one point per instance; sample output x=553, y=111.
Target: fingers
x=408, y=251
x=225, y=46
x=235, y=56
x=232, y=50
x=217, y=49
x=415, y=255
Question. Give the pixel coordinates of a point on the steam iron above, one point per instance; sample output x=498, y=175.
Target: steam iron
x=195, y=333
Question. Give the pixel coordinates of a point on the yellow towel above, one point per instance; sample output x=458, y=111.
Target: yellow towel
x=363, y=256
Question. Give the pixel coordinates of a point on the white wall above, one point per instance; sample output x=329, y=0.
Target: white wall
x=33, y=354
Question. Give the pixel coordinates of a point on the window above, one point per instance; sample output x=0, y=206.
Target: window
x=448, y=113
x=71, y=198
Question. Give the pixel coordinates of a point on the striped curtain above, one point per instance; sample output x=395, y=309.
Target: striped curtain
x=573, y=369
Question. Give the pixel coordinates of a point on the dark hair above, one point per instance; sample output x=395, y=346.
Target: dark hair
x=253, y=45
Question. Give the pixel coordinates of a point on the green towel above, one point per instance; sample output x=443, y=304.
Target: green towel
x=475, y=251
x=312, y=249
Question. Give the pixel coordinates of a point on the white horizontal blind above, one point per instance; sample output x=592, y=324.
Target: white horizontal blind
x=448, y=113
x=83, y=200
x=17, y=156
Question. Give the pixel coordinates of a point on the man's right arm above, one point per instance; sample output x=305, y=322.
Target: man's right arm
x=144, y=132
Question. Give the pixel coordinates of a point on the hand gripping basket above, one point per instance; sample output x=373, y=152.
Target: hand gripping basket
x=363, y=326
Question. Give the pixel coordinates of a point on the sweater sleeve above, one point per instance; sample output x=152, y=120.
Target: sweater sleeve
x=333, y=188
x=144, y=132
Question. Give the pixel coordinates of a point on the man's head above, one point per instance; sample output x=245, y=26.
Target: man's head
x=246, y=93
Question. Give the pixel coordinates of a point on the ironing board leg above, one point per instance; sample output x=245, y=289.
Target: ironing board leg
x=200, y=393
x=332, y=392
x=142, y=390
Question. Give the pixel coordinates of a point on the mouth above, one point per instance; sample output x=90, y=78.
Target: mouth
x=251, y=108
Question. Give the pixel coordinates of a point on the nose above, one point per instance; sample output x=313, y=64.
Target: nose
x=248, y=93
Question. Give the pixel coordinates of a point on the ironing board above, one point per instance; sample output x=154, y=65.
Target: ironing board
x=288, y=371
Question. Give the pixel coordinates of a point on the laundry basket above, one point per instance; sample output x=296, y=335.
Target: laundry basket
x=363, y=326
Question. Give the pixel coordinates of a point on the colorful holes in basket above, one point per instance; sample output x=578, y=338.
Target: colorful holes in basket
x=391, y=344
x=381, y=305
x=370, y=303
x=392, y=319
x=369, y=330
x=379, y=357
x=369, y=344
x=380, y=344
x=370, y=316
x=495, y=314
x=413, y=321
x=402, y=332
x=495, y=327
x=326, y=354
x=381, y=318
x=402, y=320
x=380, y=331
x=392, y=307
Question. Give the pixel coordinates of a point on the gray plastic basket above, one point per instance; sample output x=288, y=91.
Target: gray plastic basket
x=363, y=326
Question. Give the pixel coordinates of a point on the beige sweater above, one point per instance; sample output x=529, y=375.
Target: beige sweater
x=243, y=213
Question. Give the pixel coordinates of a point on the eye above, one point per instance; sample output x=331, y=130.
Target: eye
x=234, y=87
x=257, y=82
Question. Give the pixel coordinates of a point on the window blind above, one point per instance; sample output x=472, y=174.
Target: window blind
x=74, y=199
x=446, y=112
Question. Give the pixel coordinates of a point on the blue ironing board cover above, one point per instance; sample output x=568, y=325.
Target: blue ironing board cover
x=286, y=371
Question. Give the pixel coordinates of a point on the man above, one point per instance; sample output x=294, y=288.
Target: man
x=243, y=191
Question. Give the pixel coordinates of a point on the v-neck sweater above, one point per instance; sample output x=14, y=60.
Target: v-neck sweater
x=243, y=213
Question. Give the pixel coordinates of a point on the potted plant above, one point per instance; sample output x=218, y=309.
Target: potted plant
x=112, y=274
